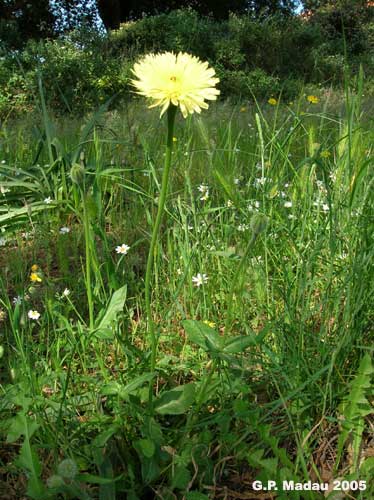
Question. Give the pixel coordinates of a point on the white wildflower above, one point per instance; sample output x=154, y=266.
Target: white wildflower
x=35, y=315
x=199, y=279
x=122, y=249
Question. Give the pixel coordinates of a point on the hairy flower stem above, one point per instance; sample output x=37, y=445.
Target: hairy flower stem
x=155, y=234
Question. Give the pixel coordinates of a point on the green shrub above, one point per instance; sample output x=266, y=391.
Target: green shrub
x=83, y=69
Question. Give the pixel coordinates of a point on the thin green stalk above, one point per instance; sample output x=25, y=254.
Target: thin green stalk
x=155, y=234
x=86, y=224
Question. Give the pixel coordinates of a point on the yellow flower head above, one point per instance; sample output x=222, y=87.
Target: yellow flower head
x=34, y=267
x=182, y=80
x=272, y=101
x=313, y=99
x=34, y=277
x=243, y=109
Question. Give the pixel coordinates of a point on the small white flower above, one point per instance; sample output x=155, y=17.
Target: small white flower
x=179, y=271
x=229, y=203
x=243, y=227
x=48, y=200
x=260, y=181
x=2, y=242
x=325, y=207
x=332, y=176
x=291, y=216
x=203, y=187
x=236, y=181
x=254, y=207
x=204, y=190
x=64, y=230
x=66, y=292
x=35, y=315
x=205, y=196
x=3, y=162
x=199, y=279
x=288, y=204
x=4, y=190
x=17, y=301
x=123, y=249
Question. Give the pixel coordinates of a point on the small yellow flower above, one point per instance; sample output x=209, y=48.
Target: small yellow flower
x=325, y=154
x=243, y=109
x=175, y=139
x=34, y=277
x=313, y=99
x=209, y=323
x=272, y=101
x=34, y=268
x=178, y=79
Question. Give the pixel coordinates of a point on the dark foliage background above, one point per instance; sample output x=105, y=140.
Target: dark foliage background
x=260, y=48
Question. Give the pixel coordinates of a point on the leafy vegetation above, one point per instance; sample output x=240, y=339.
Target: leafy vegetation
x=82, y=69
x=263, y=282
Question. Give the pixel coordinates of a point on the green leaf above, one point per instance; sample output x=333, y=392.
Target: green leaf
x=150, y=470
x=181, y=477
x=116, y=389
x=355, y=408
x=115, y=307
x=92, y=479
x=203, y=335
x=13, y=213
x=146, y=447
x=176, y=401
x=239, y=344
x=21, y=426
x=36, y=488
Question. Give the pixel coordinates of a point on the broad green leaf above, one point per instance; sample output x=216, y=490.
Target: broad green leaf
x=21, y=426
x=115, y=307
x=146, y=447
x=176, y=401
x=203, y=335
x=181, y=477
x=239, y=344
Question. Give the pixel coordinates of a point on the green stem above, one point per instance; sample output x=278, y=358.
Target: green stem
x=234, y=284
x=86, y=224
x=155, y=233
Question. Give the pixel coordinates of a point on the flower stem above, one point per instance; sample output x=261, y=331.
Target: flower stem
x=86, y=224
x=155, y=233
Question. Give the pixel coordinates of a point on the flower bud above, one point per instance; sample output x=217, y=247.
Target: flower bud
x=77, y=174
x=258, y=224
x=55, y=481
x=67, y=469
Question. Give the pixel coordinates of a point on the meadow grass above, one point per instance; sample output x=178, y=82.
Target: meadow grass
x=263, y=372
